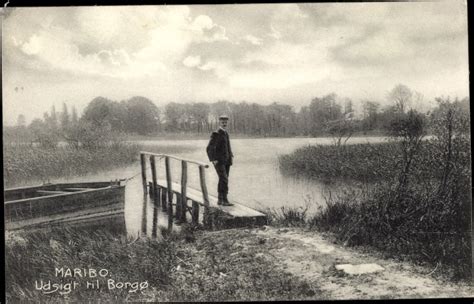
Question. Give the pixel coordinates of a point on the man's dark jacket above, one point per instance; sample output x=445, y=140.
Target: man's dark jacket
x=219, y=148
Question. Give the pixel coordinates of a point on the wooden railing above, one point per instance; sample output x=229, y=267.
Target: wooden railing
x=163, y=194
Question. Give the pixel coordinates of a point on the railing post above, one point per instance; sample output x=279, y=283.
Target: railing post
x=144, y=214
x=205, y=197
x=143, y=165
x=177, y=210
x=170, y=193
x=164, y=202
x=195, y=213
x=184, y=181
x=150, y=189
x=158, y=195
x=155, y=221
x=153, y=175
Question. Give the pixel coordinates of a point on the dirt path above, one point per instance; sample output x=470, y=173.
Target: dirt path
x=308, y=256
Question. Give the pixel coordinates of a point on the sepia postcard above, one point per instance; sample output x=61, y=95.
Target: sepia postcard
x=237, y=152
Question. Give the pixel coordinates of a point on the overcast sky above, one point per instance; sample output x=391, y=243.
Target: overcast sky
x=286, y=53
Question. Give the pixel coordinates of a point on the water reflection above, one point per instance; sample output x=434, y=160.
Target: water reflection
x=113, y=223
x=95, y=220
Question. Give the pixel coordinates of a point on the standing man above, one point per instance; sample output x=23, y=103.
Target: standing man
x=220, y=154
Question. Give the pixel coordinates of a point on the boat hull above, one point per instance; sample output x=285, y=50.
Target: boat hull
x=62, y=204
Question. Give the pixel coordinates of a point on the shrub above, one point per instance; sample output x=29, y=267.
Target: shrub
x=409, y=130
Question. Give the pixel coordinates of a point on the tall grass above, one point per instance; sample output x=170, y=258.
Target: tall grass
x=360, y=162
x=34, y=257
x=418, y=225
x=23, y=164
x=287, y=217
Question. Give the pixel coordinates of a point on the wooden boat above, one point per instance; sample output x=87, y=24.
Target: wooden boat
x=71, y=203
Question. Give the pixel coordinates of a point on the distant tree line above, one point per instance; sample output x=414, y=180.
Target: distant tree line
x=325, y=115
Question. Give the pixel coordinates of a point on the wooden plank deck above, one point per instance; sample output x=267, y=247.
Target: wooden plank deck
x=235, y=211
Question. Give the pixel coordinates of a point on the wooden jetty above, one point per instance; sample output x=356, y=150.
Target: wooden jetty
x=183, y=203
x=68, y=203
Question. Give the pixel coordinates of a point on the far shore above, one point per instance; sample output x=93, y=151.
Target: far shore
x=190, y=136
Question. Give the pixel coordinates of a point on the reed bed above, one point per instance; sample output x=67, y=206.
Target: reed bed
x=24, y=164
x=359, y=162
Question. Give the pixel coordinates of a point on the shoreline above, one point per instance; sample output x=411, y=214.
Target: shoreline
x=187, y=136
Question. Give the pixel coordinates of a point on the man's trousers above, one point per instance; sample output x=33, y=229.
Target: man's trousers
x=222, y=170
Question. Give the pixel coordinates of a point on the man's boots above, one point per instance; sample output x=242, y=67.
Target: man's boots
x=226, y=201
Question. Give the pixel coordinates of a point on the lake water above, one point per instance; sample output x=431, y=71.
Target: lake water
x=255, y=179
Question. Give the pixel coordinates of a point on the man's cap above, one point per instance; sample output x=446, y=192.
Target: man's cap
x=223, y=117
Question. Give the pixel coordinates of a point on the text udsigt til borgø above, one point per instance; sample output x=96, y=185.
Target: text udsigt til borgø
x=85, y=278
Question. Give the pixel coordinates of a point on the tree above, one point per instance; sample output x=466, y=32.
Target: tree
x=402, y=97
x=370, y=113
x=43, y=134
x=200, y=114
x=64, y=118
x=280, y=117
x=304, y=120
x=342, y=129
x=36, y=125
x=18, y=133
x=74, y=117
x=143, y=116
x=321, y=111
x=103, y=112
x=53, y=118
x=257, y=118
x=348, y=107
x=173, y=116
x=241, y=117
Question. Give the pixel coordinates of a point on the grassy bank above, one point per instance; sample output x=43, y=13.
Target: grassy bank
x=26, y=164
x=416, y=206
x=360, y=162
x=210, y=268
x=419, y=226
